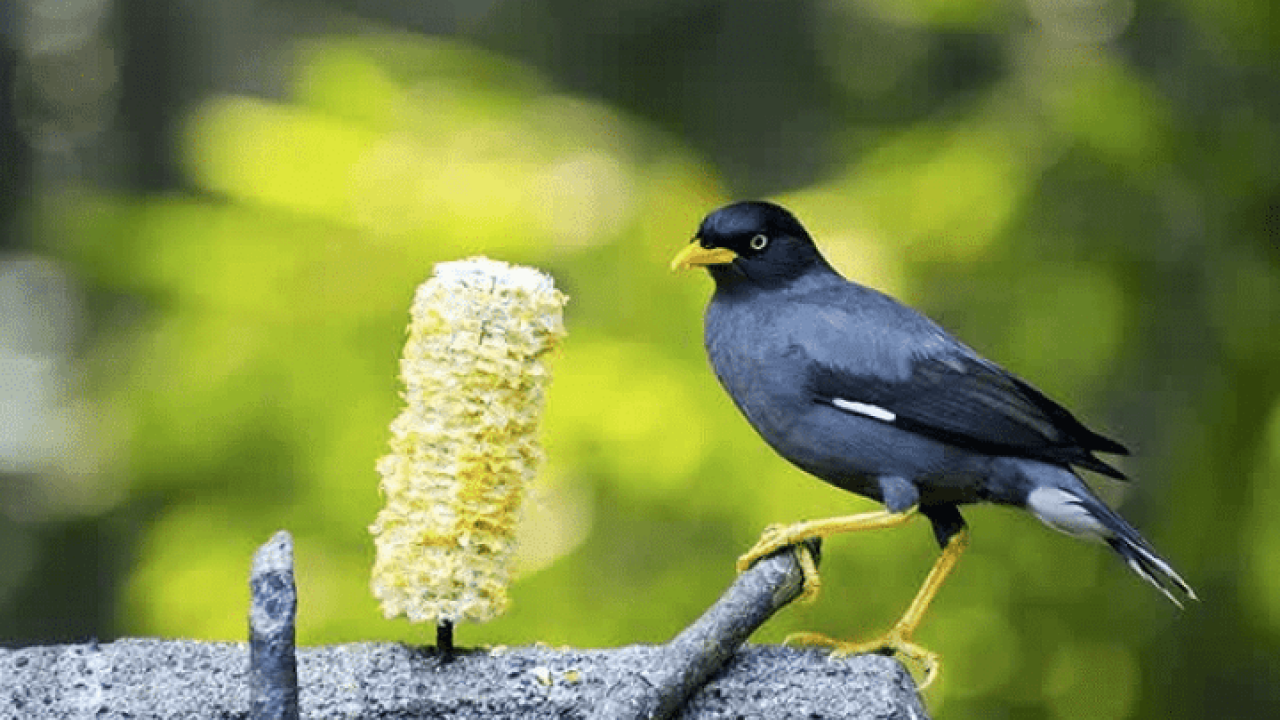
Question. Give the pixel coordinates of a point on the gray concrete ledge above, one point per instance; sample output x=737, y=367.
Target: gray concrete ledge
x=148, y=678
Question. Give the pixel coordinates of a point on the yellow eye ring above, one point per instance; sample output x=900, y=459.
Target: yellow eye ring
x=758, y=242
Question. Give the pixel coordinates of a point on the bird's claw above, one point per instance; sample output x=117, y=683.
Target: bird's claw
x=778, y=537
x=773, y=539
x=894, y=642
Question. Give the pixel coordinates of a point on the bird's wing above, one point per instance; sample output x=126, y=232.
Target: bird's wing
x=924, y=381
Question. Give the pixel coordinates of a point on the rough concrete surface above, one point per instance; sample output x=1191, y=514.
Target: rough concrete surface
x=146, y=678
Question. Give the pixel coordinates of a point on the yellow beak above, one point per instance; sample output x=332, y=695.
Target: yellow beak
x=694, y=255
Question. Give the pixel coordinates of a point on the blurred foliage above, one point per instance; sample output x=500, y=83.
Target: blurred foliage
x=1100, y=222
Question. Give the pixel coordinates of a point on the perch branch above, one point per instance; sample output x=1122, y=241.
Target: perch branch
x=685, y=664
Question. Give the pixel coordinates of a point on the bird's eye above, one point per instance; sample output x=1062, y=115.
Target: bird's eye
x=758, y=242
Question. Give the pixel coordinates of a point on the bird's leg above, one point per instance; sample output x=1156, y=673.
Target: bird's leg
x=776, y=537
x=898, y=640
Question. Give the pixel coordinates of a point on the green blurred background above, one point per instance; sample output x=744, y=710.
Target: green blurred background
x=214, y=215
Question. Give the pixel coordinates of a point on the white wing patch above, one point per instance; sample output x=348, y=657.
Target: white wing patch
x=1064, y=512
x=871, y=411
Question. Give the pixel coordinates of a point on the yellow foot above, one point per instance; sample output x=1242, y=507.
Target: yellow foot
x=775, y=538
x=894, y=642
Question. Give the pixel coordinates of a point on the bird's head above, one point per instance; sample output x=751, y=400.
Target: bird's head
x=752, y=242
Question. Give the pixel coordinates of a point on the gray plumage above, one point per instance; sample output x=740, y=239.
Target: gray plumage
x=871, y=396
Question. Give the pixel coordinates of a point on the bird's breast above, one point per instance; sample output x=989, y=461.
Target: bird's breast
x=751, y=359
x=763, y=372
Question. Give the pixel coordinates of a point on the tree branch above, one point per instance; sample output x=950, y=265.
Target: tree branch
x=687, y=662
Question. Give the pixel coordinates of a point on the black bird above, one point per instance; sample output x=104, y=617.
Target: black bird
x=871, y=396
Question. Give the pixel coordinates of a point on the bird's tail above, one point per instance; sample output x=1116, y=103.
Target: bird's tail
x=1069, y=506
x=1143, y=559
